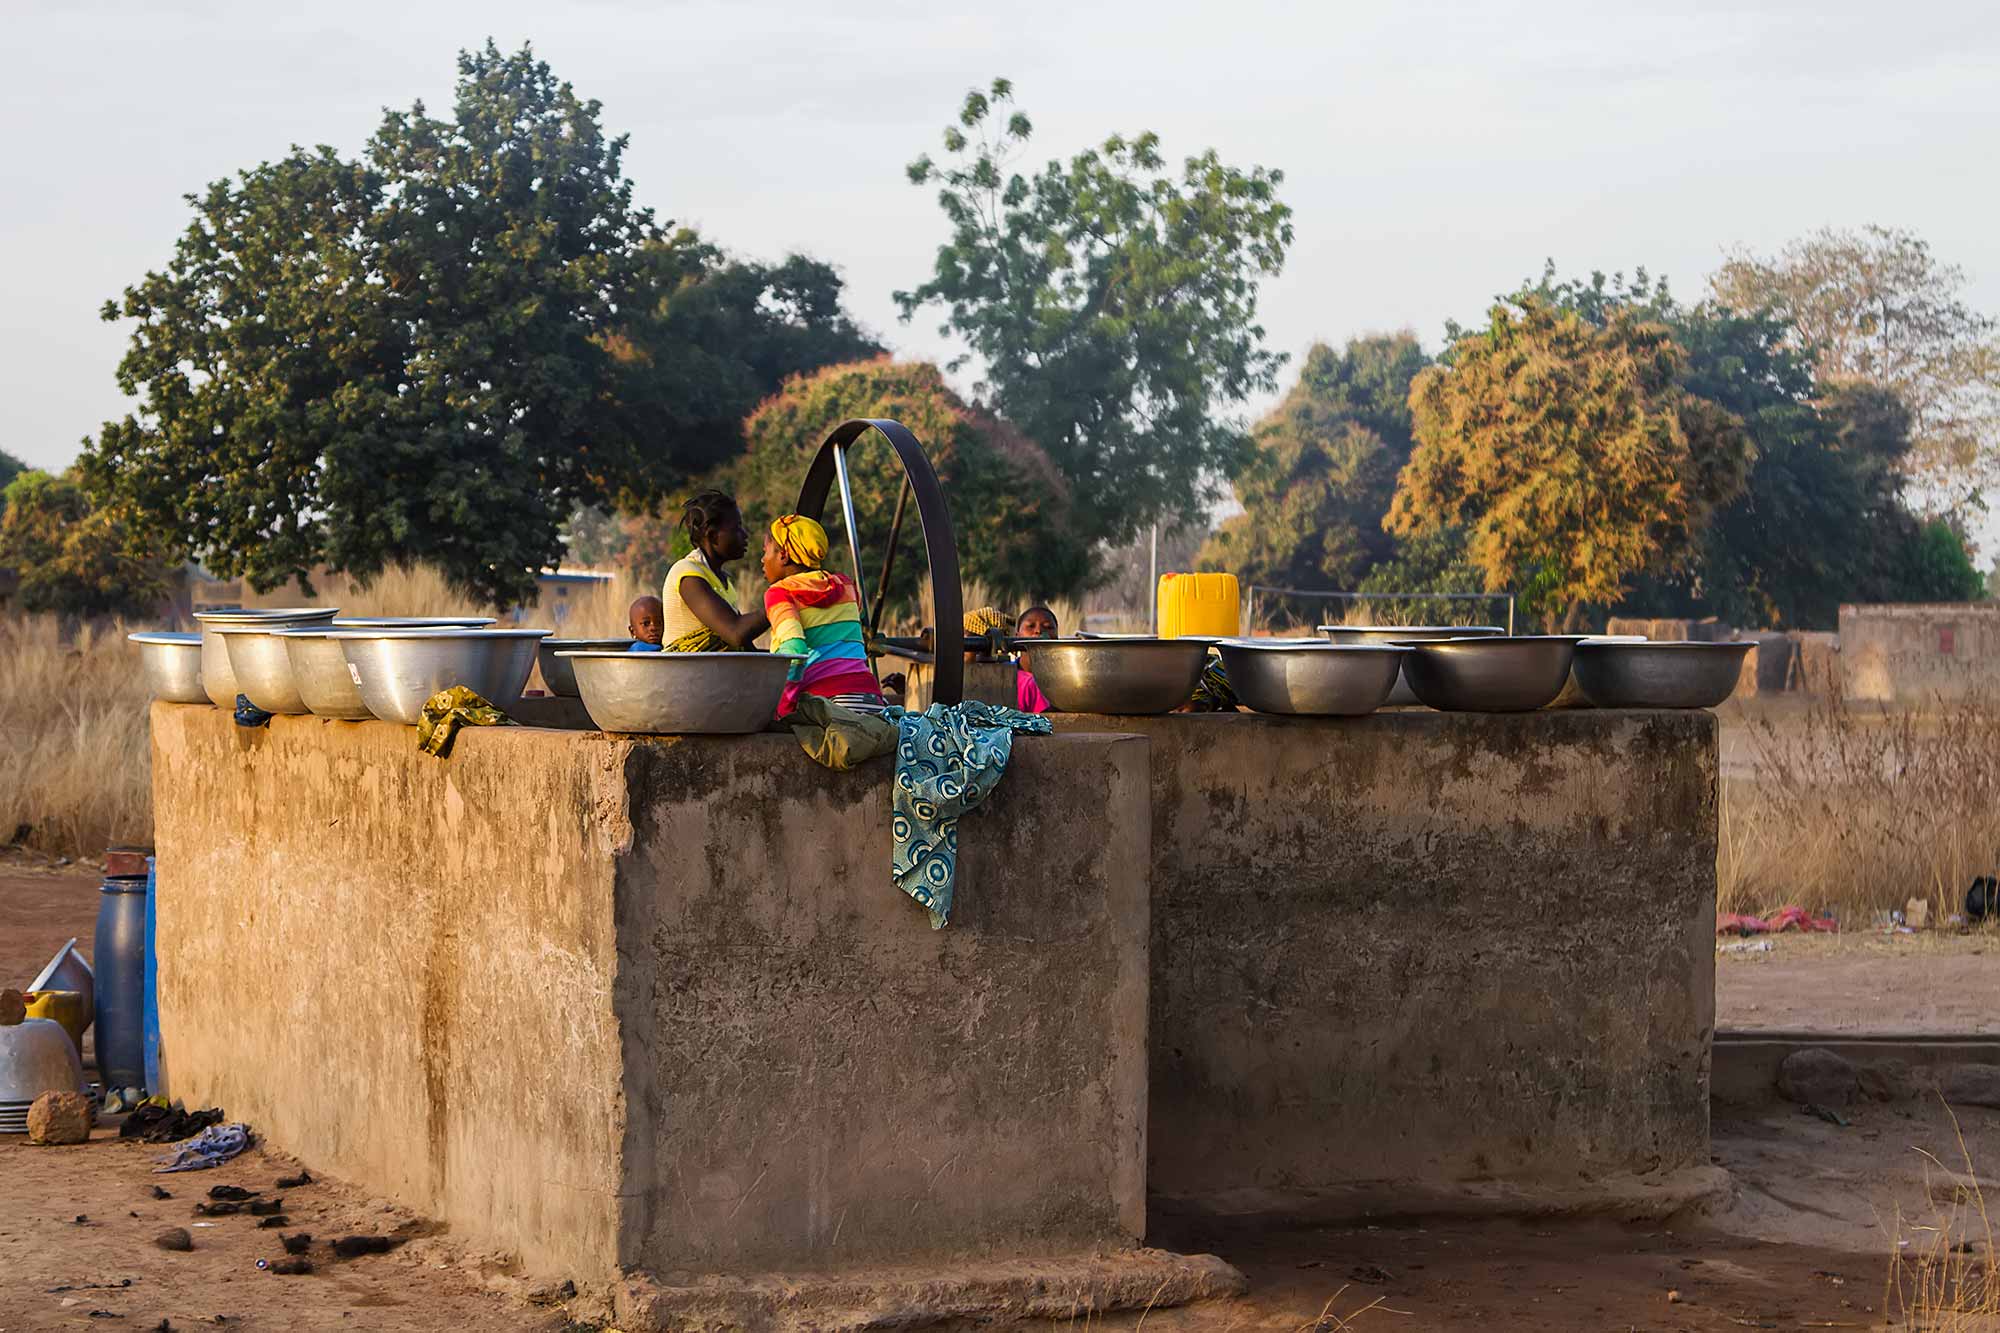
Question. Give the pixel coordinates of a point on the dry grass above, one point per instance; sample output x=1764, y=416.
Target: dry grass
x=1941, y=1272
x=597, y=612
x=75, y=759
x=1855, y=810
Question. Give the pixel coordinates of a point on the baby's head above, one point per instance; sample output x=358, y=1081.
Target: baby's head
x=646, y=620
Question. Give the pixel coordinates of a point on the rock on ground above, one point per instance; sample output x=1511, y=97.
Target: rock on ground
x=59, y=1117
x=1970, y=1085
x=1818, y=1076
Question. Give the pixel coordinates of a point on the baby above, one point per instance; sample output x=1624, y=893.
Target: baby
x=647, y=620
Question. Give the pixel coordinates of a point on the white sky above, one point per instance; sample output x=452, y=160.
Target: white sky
x=1433, y=153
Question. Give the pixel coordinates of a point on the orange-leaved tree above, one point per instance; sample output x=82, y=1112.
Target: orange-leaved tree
x=1568, y=453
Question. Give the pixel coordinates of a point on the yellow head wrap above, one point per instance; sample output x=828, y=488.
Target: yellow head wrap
x=801, y=539
x=983, y=620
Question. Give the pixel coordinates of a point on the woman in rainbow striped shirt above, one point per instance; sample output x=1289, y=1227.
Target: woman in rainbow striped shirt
x=816, y=613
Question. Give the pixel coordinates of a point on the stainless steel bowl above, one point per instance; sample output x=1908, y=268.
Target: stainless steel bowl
x=218, y=680
x=1659, y=675
x=319, y=667
x=1121, y=675
x=263, y=672
x=36, y=1056
x=1402, y=696
x=1311, y=677
x=675, y=694
x=557, y=673
x=1572, y=695
x=397, y=670
x=172, y=663
x=1490, y=675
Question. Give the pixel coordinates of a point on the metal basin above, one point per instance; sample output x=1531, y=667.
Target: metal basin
x=218, y=679
x=702, y=694
x=553, y=655
x=1311, y=677
x=1402, y=696
x=1659, y=675
x=1572, y=695
x=172, y=663
x=36, y=1056
x=1490, y=675
x=397, y=670
x=1121, y=675
x=263, y=672
x=319, y=667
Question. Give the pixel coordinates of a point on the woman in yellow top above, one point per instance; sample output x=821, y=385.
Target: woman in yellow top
x=698, y=601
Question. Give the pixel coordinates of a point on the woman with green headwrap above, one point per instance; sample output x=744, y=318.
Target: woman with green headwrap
x=817, y=614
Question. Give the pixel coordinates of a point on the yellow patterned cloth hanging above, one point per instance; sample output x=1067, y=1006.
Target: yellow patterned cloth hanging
x=448, y=710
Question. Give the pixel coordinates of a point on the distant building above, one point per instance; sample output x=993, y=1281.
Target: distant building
x=556, y=595
x=1913, y=653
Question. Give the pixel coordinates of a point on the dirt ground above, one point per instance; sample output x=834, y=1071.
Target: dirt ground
x=1933, y=982
x=1804, y=1241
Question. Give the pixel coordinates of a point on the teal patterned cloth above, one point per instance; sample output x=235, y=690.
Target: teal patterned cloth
x=949, y=758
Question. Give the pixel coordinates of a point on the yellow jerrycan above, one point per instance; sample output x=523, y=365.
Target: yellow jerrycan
x=1207, y=605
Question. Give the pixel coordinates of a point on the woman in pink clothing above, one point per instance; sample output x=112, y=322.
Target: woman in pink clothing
x=1037, y=622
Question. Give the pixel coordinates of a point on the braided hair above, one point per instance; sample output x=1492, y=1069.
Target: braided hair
x=704, y=512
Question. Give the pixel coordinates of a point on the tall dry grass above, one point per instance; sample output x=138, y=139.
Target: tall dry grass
x=1941, y=1273
x=75, y=758
x=1853, y=809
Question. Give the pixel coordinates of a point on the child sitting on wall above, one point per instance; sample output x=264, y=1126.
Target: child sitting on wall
x=647, y=621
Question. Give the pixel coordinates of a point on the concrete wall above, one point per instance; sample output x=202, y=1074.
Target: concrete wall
x=1418, y=953
x=624, y=1002
x=1919, y=653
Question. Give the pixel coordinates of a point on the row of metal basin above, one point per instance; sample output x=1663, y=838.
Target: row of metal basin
x=311, y=661
x=1353, y=670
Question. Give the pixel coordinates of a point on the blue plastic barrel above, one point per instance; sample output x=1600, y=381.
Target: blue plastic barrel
x=152, y=1006
x=120, y=963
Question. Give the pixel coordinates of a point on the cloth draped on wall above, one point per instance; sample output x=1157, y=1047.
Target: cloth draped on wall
x=949, y=758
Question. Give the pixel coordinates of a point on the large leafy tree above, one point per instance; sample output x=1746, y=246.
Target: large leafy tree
x=1315, y=491
x=1821, y=518
x=1009, y=507
x=1567, y=453
x=1112, y=302
x=1878, y=307
x=440, y=352
x=73, y=558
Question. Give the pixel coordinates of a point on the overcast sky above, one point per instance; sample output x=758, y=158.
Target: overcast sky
x=1433, y=153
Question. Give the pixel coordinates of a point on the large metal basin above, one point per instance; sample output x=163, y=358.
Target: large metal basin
x=218, y=679
x=1669, y=674
x=1311, y=678
x=1490, y=675
x=397, y=670
x=553, y=655
x=36, y=1056
x=172, y=663
x=319, y=668
x=1572, y=695
x=700, y=694
x=1121, y=675
x=1402, y=696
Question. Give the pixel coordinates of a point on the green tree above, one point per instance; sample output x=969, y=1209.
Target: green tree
x=72, y=558
x=1567, y=453
x=1009, y=509
x=1112, y=303
x=10, y=468
x=1876, y=306
x=1821, y=517
x=1319, y=483
x=441, y=352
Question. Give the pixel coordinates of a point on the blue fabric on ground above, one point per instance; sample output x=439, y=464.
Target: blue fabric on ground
x=212, y=1147
x=949, y=758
